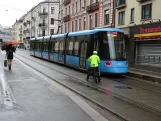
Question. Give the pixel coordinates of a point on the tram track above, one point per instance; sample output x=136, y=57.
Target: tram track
x=100, y=89
x=135, y=85
x=116, y=80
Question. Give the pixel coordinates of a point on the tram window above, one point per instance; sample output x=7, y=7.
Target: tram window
x=37, y=46
x=104, y=46
x=76, y=48
x=69, y=46
x=31, y=46
x=61, y=46
x=52, y=47
x=96, y=43
x=56, y=46
x=44, y=46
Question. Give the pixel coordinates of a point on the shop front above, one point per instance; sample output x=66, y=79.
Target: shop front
x=147, y=43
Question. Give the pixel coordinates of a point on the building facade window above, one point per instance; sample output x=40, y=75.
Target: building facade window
x=72, y=26
x=146, y=11
x=76, y=7
x=51, y=31
x=65, y=28
x=90, y=21
x=80, y=5
x=84, y=4
x=80, y=24
x=132, y=15
x=52, y=21
x=73, y=8
x=76, y=25
x=61, y=14
x=96, y=1
x=43, y=32
x=106, y=17
x=44, y=10
x=96, y=19
x=91, y=2
x=121, y=2
x=69, y=10
x=84, y=23
x=52, y=10
x=66, y=11
x=121, y=17
x=61, y=29
x=68, y=27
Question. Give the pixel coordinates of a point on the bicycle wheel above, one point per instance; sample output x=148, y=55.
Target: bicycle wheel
x=95, y=76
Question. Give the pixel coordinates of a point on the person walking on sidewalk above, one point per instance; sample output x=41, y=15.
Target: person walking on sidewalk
x=9, y=53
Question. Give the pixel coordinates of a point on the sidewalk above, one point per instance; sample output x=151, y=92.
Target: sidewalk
x=145, y=72
x=38, y=98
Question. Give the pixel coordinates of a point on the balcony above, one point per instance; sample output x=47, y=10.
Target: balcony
x=66, y=2
x=24, y=24
x=67, y=18
x=93, y=7
x=27, y=37
x=43, y=14
x=42, y=25
x=20, y=21
x=120, y=4
x=28, y=22
x=24, y=31
x=27, y=31
x=142, y=1
x=33, y=18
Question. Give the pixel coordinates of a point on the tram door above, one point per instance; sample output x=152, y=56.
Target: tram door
x=61, y=52
x=83, y=50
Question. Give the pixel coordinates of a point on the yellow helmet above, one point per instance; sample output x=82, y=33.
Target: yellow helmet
x=95, y=52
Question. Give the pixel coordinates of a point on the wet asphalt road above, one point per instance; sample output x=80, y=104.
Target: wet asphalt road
x=127, y=110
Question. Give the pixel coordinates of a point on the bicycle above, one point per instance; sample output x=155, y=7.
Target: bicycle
x=94, y=72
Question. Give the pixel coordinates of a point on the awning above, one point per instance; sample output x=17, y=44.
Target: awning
x=148, y=34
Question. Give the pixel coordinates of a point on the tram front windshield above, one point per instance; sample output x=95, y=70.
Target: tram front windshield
x=116, y=44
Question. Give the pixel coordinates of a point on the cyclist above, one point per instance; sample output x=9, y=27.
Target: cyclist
x=94, y=61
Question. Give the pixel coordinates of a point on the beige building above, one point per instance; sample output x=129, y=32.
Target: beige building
x=131, y=12
x=140, y=20
x=41, y=20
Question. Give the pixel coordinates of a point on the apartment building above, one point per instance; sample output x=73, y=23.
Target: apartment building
x=41, y=20
x=77, y=15
x=5, y=33
x=140, y=20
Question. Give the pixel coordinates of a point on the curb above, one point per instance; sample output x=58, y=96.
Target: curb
x=7, y=94
x=145, y=77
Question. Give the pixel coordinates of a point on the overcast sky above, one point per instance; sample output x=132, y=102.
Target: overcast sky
x=10, y=10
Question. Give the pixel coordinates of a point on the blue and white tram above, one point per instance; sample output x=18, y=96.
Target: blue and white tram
x=74, y=48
